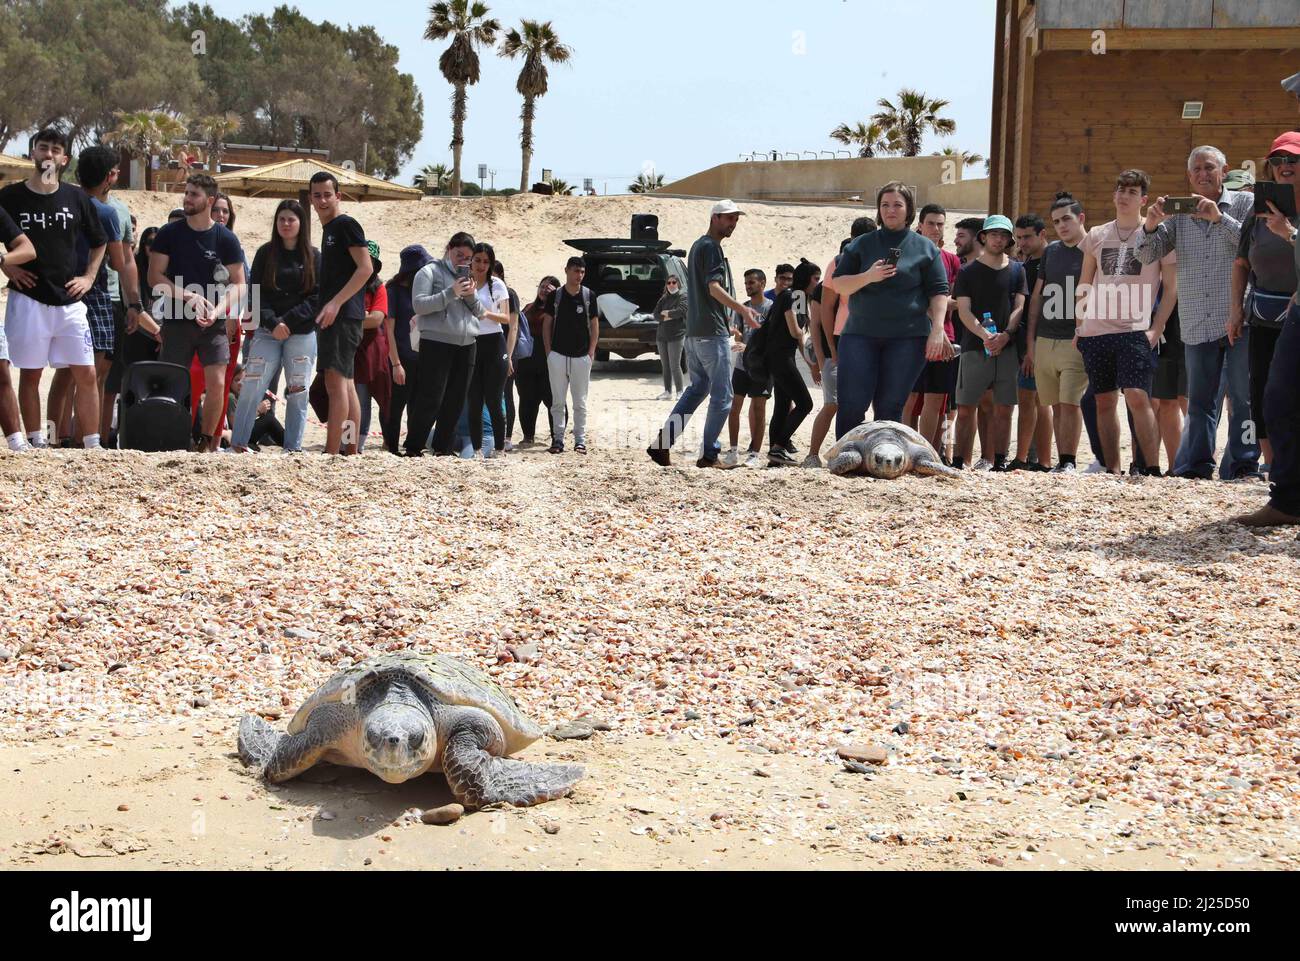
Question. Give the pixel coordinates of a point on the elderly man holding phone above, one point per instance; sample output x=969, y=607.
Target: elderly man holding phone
x=1205, y=230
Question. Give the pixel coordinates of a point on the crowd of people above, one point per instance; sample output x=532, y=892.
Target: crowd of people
x=1180, y=305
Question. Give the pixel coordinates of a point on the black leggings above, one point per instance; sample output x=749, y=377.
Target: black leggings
x=788, y=388
x=439, y=396
x=534, y=383
x=486, y=386
x=1263, y=341
x=510, y=407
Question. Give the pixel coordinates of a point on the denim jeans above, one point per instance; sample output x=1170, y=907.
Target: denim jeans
x=1205, y=367
x=297, y=355
x=1282, y=408
x=708, y=361
x=876, y=372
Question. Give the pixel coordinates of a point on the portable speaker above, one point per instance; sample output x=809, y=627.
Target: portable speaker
x=645, y=227
x=155, y=413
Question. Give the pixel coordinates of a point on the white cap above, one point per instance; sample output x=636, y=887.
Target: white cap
x=726, y=207
x=1292, y=84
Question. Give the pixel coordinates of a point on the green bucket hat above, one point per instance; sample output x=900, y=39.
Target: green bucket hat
x=1239, y=179
x=997, y=222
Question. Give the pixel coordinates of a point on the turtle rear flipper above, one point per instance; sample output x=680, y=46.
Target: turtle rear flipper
x=846, y=462
x=478, y=778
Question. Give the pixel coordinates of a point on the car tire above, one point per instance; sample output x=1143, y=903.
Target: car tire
x=602, y=356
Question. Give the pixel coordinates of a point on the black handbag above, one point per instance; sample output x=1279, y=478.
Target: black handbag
x=1266, y=309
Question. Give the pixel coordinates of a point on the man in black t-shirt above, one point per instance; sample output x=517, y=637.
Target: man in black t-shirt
x=196, y=272
x=45, y=319
x=570, y=332
x=18, y=250
x=345, y=268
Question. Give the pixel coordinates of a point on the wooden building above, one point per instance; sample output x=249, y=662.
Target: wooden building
x=171, y=174
x=1083, y=89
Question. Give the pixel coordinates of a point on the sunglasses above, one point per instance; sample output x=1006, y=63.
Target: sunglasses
x=672, y=283
x=1290, y=160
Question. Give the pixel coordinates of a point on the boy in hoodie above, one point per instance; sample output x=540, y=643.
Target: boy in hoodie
x=447, y=313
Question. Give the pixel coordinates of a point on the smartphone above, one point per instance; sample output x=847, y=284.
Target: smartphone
x=462, y=272
x=892, y=259
x=1282, y=195
x=1181, y=205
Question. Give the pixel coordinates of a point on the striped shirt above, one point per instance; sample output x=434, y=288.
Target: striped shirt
x=1205, y=255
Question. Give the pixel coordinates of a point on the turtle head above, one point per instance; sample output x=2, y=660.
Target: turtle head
x=887, y=460
x=400, y=741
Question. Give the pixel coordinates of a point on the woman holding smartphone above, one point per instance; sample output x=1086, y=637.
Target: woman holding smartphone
x=897, y=289
x=788, y=321
x=496, y=341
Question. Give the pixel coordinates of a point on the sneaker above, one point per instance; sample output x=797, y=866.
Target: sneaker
x=715, y=463
x=1065, y=468
x=732, y=457
x=1096, y=467
x=659, y=456
x=510, y=445
x=780, y=457
x=983, y=464
x=791, y=449
x=666, y=395
x=812, y=462
x=1017, y=464
x=555, y=449
x=753, y=459
x=1040, y=468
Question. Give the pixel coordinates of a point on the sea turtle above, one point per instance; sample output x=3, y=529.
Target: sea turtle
x=400, y=715
x=885, y=449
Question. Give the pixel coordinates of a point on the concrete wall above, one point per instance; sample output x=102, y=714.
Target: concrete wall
x=1166, y=14
x=963, y=195
x=816, y=180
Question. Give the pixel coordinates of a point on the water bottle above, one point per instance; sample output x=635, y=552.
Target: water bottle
x=991, y=327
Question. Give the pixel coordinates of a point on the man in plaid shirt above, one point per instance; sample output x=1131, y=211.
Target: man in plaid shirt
x=1207, y=242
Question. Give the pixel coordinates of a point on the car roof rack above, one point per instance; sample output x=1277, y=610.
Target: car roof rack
x=614, y=245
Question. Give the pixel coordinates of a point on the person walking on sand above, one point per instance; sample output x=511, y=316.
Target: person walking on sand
x=708, y=341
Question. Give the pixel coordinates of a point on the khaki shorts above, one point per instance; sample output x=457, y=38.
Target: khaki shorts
x=1058, y=369
x=977, y=374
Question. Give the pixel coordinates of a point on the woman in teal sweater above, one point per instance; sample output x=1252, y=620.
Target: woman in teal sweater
x=896, y=312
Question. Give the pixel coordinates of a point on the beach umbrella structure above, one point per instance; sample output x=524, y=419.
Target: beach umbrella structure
x=13, y=168
x=291, y=179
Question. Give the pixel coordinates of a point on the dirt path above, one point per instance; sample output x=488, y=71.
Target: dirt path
x=646, y=803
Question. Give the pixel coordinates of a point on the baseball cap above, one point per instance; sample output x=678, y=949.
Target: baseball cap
x=997, y=222
x=1239, y=179
x=725, y=207
x=1288, y=142
x=1292, y=84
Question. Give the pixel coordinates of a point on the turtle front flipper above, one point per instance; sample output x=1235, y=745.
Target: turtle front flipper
x=478, y=777
x=926, y=467
x=281, y=756
x=846, y=462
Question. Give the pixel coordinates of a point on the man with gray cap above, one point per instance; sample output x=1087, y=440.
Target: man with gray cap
x=708, y=347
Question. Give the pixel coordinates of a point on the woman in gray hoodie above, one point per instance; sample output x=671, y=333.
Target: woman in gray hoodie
x=670, y=312
x=447, y=312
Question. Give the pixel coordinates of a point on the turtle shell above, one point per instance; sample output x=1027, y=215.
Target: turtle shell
x=864, y=432
x=448, y=680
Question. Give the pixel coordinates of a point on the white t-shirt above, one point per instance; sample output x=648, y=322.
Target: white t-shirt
x=491, y=295
x=1123, y=294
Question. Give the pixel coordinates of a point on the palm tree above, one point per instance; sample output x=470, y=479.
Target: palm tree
x=146, y=133
x=559, y=188
x=433, y=178
x=215, y=130
x=468, y=26
x=914, y=115
x=646, y=183
x=538, y=44
x=870, y=139
x=967, y=158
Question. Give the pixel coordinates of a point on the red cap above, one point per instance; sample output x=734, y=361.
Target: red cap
x=1288, y=142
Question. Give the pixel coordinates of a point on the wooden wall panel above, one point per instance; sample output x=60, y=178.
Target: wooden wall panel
x=1071, y=14
x=1093, y=116
x=1256, y=13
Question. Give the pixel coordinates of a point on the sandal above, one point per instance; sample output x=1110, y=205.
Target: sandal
x=580, y=448
x=555, y=449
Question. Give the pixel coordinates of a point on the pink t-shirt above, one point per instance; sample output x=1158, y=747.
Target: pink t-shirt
x=1124, y=289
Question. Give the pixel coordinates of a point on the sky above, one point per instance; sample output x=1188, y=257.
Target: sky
x=679, y=86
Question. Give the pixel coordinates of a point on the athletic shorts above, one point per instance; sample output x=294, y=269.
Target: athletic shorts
x=742, y=385
x=936, y=377
x=977, y=373
x=830, y=383
x=99, y=315
x=1118, y=361
x=1170, y=380
x=182, y=339
x=336, y=347
x=44, y=336
x=1058, y=368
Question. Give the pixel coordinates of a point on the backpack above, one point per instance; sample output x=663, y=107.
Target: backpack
x=523, y=340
